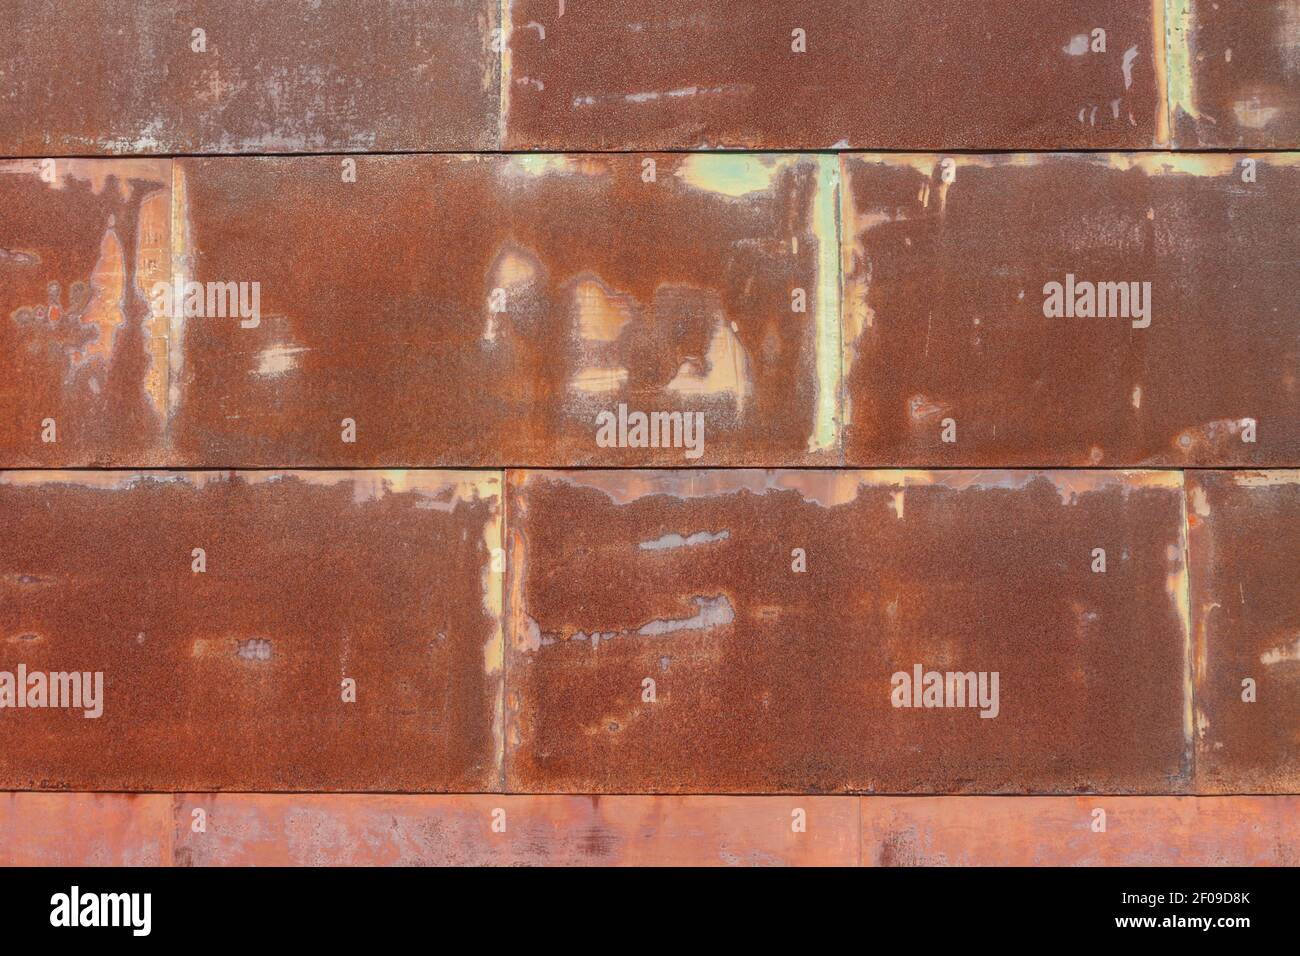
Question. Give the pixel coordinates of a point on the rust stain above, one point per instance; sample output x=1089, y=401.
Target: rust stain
x=950, y=355
x=1236, y=86
x=232, y=678
x=270, y=78
x=620, y=75
x=1243, y=554
x=84, y=358
x=772, y=653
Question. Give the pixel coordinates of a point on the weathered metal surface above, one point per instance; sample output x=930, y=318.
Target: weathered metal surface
x=1062, y=831
x=771, y=680
x=486, y=310
x=85, y=829
x=367, y=830
x=1234, y=73
x=231, y=674
x=83, y=362
x=119, y=76
x=949, y=264
x=891, y=74
x=1245, y=552
x=68, y=829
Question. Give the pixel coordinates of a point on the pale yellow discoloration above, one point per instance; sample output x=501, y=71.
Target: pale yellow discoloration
x=898, y=504
x=97, y=172
x=279, y=359
x=491, y=485
x=833, y=488
x=601, y=316
x=1177, y=79
x=597, y=380
x=504, y=77
x=826, y=327
x=152, y=266
x=1281, y=654
x=1160, y=43
x=514, y=269
x=1256, y=110
x=552, y=164
x=732, y=174
x=440, y=490
x=1158, y=163
x=180, y=274
x=104, y=311
x=1262, y=479
x=1179, y=586
x=726, y=370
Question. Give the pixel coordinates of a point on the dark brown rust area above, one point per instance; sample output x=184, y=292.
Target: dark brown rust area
x=231, y=679
x=768, y=680
x=1244, y=75
x=1245, y=537
x=484, y=310
x=122, y=77
x=944, y=311
x=887, y=74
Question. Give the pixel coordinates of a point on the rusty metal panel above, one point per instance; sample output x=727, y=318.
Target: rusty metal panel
x=486, y=310
x=890, y=74
x=1064, y=831
x=662, y=637
x=229, y=669
x=83, y=361
x=1234, y=73
x=94, y=77
x=958, y=273
x=1244, y=530
x=85, y=829
x=469, y=830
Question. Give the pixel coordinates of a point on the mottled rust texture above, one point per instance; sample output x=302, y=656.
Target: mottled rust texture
x=85, y=829
x=88, y=77
x=367, y=830
x=943, y=314
x=1245, y=552
x=231, y=679
x=901, y=74
x=1058, y=831
x=378, y=305
x=1242, y=79
x=768, y=680
x=81, y=243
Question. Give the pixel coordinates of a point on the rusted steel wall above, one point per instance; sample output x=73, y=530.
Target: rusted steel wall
x=888, y=74
x=93, y=77
x=446, y=311
x=1081, y=831
x=1234, y=73
x=485, y=830
x=958, y=350
x=1245, y=552
x=450, y=320
x=686, y=587
x=230, y=674
x=105, y=77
